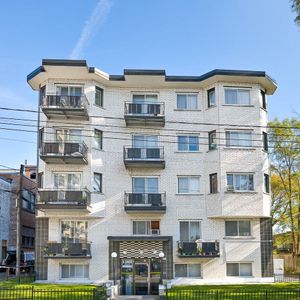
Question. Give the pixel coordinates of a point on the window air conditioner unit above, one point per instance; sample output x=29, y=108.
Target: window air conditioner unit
x=230, y=188
x=155, y=231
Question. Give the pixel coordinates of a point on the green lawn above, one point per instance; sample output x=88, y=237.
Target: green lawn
x=275, y=291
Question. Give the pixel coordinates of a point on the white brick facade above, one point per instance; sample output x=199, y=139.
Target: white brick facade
x=107, y=216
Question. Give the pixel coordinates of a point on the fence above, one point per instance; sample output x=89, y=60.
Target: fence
x=231, y=294
x=287, y=278
x=33, y=293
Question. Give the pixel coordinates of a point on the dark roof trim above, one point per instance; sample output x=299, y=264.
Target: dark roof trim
x=64, y=62
x=139, y=238
x=35, y=72
x=144, y=72
x=117, y=77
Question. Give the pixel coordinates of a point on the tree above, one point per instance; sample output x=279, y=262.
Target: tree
x=296, y=9
x=284, y=140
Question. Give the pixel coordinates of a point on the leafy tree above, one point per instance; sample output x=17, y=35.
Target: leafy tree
x=284, y=140
x=296, y=9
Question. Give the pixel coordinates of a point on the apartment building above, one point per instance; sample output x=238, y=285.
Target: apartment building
x=146, y=177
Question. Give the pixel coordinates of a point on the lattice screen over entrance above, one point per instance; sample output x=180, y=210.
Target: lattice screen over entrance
x=140, y=249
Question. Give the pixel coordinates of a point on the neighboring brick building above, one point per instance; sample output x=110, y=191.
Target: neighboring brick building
x=5, y=196
x=170, y=174
x=27, y=212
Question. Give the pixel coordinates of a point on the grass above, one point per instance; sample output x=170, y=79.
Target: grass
x=9, y=289
x=275, y=291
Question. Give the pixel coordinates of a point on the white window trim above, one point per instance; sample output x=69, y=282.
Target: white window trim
x=72, y=220
x=237, y=88
x=76, y=85
x=236, y=140
x=189, y=176
x=239, y=236
x=74, y=278
x=191, y=220
x=200, y=266
x=241, y=173
x=145, y=94
x=188, y=135
x=188, y=109
x=65, y=173
x=240, y=262
x=149, y=223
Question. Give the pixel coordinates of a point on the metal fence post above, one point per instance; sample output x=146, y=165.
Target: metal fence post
x=217, y=295
x=32, y=292
x=266, y=295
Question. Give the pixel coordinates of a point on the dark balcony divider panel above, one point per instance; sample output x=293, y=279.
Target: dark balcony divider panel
x=189, y=248
x=154, y=199
x=153, y=153
x=133, y=153
x=210, y=247
x=68, y=249
x=154, y=109
x=134, y=108
x=51, y=148
x=64, y=101
x=135, y=198
x=71, y=148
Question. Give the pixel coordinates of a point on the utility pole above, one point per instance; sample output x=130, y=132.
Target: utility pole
x=19, y=208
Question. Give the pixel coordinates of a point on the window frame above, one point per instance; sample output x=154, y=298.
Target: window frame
x=101, y=183
x=265, y=141
x=188, y=143
x=66, y=174
x=238, y=235
x=210, y=140
x=211, y=185
x=69, y=87
x=236, y=142
x=189, y=177
x=98, y=146
x=74, y=231
x=83, y=265
x=234, y=181
x=188, y=271
x=187, y=105
x=239, y=269
x=266, y=183
x=209, y=104
x=237, y=89
x=148, y=228
x=189, y=229
x=101, y=91
x=263, y=99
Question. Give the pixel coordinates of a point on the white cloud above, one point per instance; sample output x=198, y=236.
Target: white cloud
x=97, y=17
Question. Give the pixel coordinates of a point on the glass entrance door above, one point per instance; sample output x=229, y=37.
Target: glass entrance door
x=141, y=278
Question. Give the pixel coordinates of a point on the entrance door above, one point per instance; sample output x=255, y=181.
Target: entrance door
x=141, y=278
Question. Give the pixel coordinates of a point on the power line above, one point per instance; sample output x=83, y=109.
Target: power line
x=171, y=122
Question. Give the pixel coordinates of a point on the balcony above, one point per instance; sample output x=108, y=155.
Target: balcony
x=144, y=113
x=145, y=202
x=64, y=152
x=68, y=199
x=61, y=106
x=198, y=249
x=144, y=157
x=67, y=250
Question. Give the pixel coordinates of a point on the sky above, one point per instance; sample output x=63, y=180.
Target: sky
x=188, y=37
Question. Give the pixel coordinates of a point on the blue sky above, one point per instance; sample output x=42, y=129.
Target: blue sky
x=188, y=37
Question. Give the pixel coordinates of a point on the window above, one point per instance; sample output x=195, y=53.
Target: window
x=144, y=141
x=99, y=96
x=146, y=228
x=145, y=185
x=69, y=90
x=28, y=199
x=97, y=186
x=40, y=181
x=187, y=101
x=266, y=183
x=98, y=139
x=136, y=98
x=238, y=138
x=67, y=181
x=188, y=143
x=187, y=270
x=189, y=184
x=189, y=231
x=240, y=182
x=212, y=140
x=213, y=183
x=263, y=99
x=211, y=97
x=74, y=231
x=237, y=96
x=239, y=269
x=237, y=228
x=74, y=271
x=265, y=141
x=68, y=135
x=41, y=137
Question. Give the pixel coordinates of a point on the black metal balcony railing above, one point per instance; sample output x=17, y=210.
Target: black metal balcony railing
x=67, y=250
x=64, y=197
x=64, y=149
x=198, y=249
x=64, y=101
x=144, y=108
x=153, y=153
x=145, y=199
